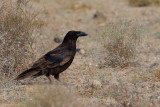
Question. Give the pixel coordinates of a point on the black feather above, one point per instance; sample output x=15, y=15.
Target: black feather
x=26, y=74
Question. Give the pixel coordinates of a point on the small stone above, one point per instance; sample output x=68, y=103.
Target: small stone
x=154, y=65
x=96, y=84
x=99, y=16
x=57, y=40
x=82, y=51
x=78, y=50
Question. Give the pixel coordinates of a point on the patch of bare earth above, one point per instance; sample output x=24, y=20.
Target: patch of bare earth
x=86, y=82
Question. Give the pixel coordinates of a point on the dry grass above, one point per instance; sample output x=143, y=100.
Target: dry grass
x=120, y=42
x=17, y=26
x=119, y=90
x=143, y=2
x=132, y=86
x=157, y=74
x=52, y=96
x=79, y=6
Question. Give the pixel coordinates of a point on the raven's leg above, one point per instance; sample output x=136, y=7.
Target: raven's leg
x=49, y=79
x=56, y=76
x=48, y=76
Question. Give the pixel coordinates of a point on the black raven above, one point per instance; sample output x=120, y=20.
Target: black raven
x=55, y=61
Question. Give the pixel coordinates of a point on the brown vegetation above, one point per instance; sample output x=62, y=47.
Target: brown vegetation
x=48, y=96
x=17, y=26
x=86, y=84
x=120, y=42
x=143, y=2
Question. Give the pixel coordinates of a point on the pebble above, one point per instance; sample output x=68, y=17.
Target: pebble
x=154, y=65
x=96, y=84
x=82, y=51
x=57, y=40
x=158, y=97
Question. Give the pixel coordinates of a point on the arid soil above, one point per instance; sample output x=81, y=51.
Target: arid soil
x=88, y=81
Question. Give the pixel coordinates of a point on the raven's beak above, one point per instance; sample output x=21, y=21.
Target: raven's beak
x=82, y=34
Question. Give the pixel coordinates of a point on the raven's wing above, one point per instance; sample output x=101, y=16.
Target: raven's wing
x=52, y=59
x=57, y=60
x=65, y=60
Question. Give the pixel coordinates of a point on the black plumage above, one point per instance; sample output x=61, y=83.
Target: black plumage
x=55, y=61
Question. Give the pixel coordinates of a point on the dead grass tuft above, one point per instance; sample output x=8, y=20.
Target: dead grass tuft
x=120, y=42
x=157, y=74
x=143, y=2
x=17, y=26
x=79, y=6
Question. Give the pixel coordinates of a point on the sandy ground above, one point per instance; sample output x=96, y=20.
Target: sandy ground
x=133, y=86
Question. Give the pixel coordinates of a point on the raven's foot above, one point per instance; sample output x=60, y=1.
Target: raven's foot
x=50, y=81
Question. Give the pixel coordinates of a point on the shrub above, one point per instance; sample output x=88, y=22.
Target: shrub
x=143, y=2
x=120, y=43
x=17, y=25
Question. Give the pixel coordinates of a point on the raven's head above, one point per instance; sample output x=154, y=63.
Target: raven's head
x=73, y=35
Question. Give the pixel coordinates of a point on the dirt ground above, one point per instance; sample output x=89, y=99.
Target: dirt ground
x=85, y=83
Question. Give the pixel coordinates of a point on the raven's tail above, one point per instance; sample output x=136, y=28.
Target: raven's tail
x=28, y=73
